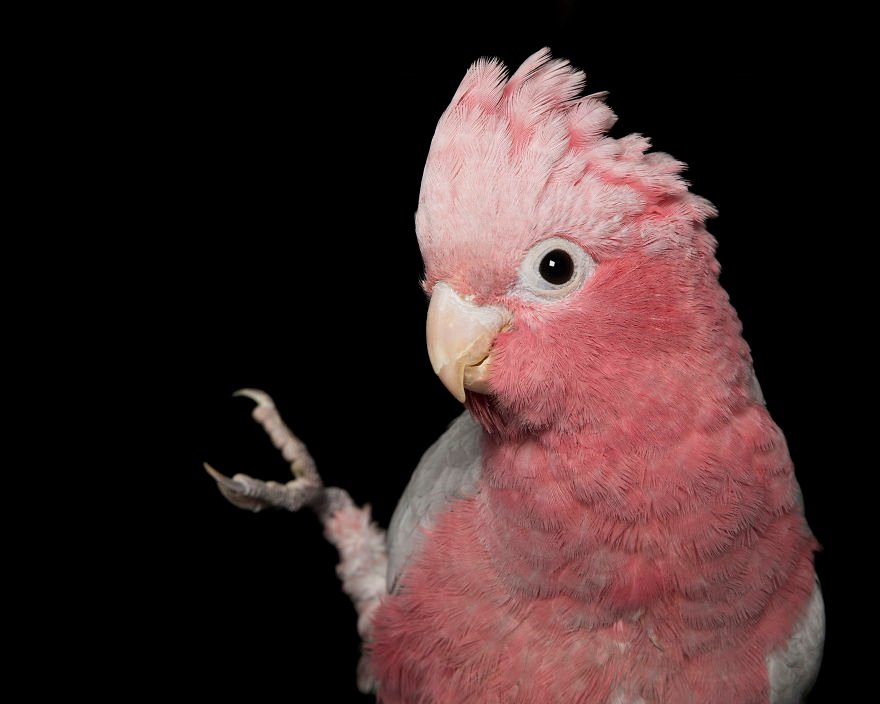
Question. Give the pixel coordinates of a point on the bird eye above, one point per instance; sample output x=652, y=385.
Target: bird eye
x=553, y=268
x=556, y=267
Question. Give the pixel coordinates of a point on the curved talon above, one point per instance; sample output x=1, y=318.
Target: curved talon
x=261, y=398
x=221, y=478
x=236, y=492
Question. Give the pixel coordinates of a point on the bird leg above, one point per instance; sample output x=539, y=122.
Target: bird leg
x=363, y=554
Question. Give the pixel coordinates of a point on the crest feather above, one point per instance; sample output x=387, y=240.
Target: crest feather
x=529, y=147
x=482, y=86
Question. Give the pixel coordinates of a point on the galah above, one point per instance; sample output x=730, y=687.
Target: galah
x=615, y=517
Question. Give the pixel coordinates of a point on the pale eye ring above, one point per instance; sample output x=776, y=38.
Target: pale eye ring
x=553, y=268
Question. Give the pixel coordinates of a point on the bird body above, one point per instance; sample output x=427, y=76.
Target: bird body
x=617, y=519
x=526, y=588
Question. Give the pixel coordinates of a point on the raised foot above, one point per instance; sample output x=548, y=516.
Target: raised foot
x=254, y=494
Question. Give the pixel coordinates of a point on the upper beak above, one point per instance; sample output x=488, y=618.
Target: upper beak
x=460, y=336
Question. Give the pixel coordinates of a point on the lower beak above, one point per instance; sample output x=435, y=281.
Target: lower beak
x=460, y=336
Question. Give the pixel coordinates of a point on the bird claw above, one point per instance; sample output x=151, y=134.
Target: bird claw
x=255, y=495
x=261, y=398
x=236, y=491
x=221, y=479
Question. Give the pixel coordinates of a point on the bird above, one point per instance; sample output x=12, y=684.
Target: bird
x=614, y=518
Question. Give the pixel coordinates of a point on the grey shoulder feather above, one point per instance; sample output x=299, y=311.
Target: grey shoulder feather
x=448, y=470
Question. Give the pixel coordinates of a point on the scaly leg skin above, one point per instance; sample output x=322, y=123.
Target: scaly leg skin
x=361, y=543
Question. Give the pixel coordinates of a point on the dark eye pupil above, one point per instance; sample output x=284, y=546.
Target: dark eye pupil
x=557, y=267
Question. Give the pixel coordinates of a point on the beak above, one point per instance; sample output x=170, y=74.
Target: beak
x=460, y=336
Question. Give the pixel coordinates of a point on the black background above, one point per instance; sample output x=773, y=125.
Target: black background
x=278, y=163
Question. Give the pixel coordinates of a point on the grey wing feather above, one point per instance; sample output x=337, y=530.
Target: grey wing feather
x=448, y=470
x=793, y=669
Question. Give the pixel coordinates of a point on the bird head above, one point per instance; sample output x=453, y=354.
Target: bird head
x=570, y=275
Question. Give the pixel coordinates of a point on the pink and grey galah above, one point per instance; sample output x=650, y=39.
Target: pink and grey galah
x=615, y=517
